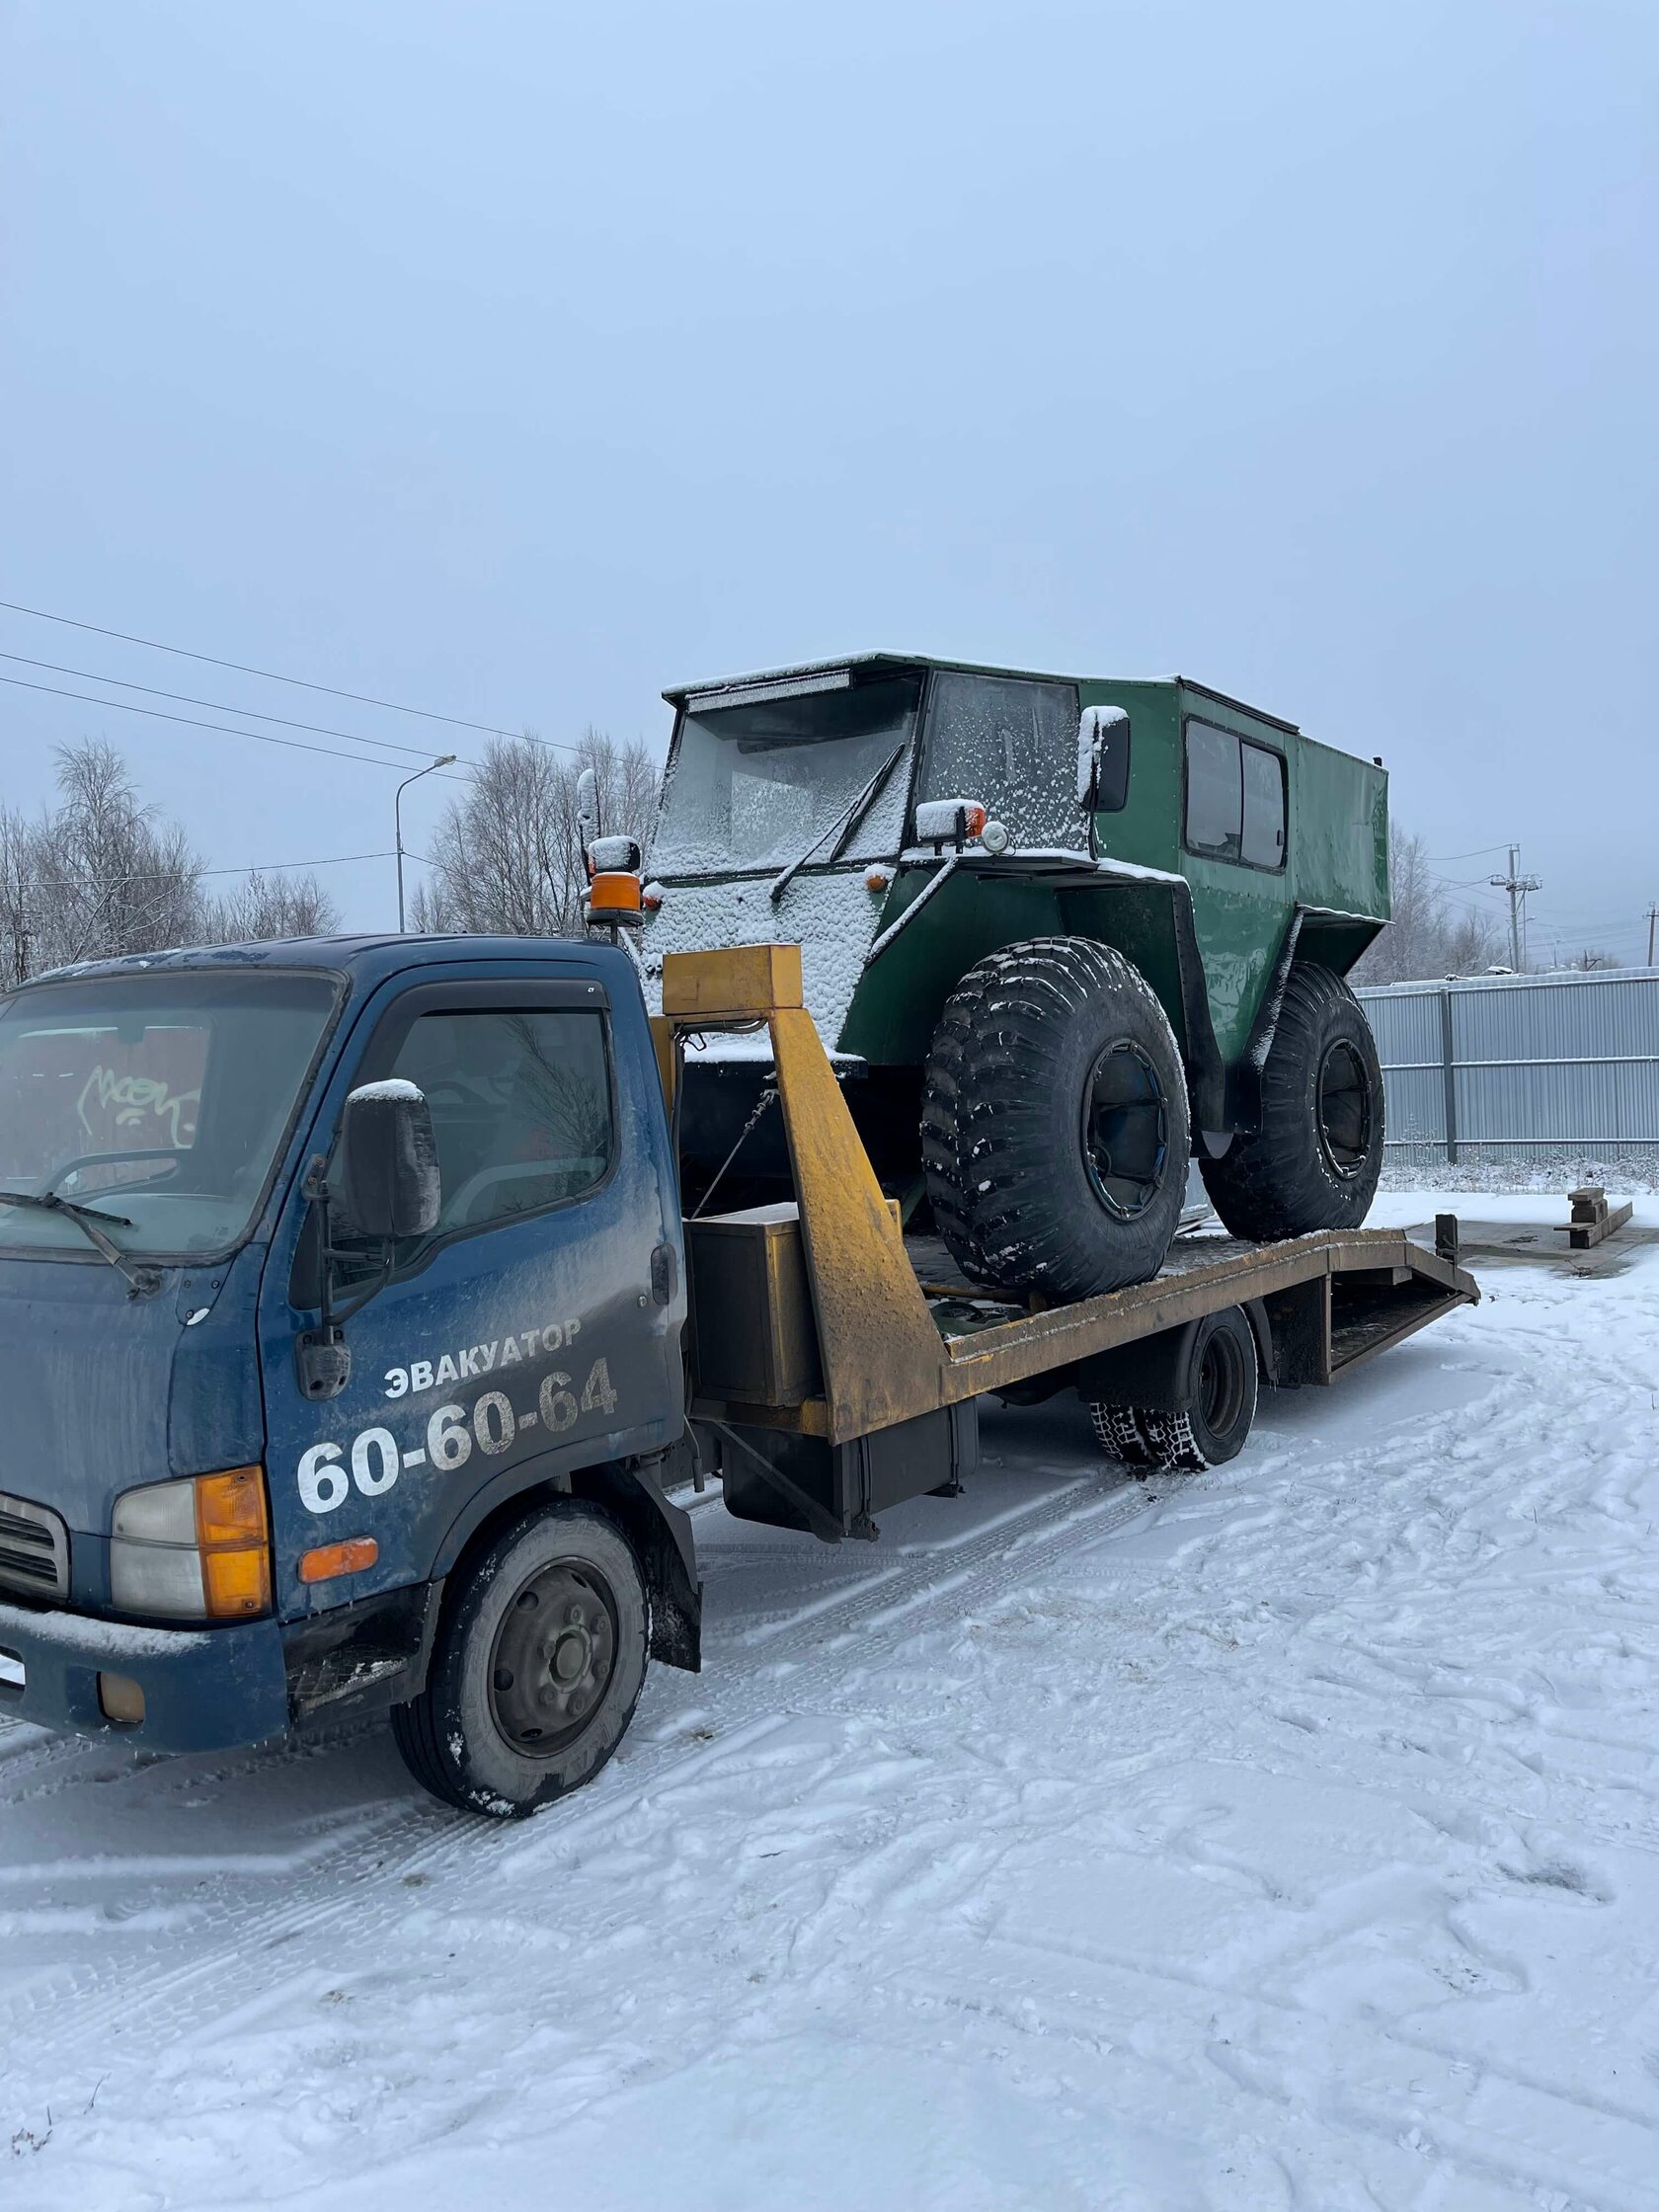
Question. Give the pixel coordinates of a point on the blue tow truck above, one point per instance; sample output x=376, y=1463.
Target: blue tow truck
x=344, y=1360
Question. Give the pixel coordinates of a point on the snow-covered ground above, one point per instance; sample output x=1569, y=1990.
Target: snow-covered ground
x=1285, y=1838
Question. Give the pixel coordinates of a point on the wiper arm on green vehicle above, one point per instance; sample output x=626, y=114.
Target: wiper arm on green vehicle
x=841, y=829
x=87, y=1219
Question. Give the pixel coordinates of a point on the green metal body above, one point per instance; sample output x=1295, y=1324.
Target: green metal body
x=1213, y=936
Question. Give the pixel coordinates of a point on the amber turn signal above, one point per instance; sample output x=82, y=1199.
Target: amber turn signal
x=233, y=1534
x=876, y=879
x=330, y=1559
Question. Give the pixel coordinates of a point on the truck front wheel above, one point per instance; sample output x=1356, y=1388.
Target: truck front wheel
x=1314, y=1160
x=538, y=1668
x=1055, y=1128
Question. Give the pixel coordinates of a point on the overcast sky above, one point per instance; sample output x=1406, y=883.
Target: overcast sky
x=514, y=361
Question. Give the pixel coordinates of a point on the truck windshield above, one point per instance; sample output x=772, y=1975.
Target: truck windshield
x=754, y=785
x=160, y=1100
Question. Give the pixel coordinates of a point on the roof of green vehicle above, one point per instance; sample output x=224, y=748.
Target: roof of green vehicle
x=678, y=694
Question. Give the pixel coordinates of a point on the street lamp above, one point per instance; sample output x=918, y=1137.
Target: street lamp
x=444, y=760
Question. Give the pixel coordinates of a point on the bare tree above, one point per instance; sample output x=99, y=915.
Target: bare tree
x=18, y=860
x=507, y=856
x=1428, y=936
x=101, y=874
x=267, y=906
x=107, y=875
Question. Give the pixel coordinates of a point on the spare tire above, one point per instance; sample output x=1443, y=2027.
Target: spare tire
x=1314, y=1162
x=1055, y=1128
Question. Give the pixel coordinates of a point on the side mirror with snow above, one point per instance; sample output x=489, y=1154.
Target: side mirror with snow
x=388, y=1179
x=1103, y=760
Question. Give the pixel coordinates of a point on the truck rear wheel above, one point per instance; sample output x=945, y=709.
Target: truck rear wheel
x=1314, y=1162
x=1215, y=1416
x=538, y=1668
x=1055, y=1131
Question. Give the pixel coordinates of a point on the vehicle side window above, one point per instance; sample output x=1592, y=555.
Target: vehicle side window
x=1235, y=798
x=1263, y=845
x=520, y=1107
x=1215, y=792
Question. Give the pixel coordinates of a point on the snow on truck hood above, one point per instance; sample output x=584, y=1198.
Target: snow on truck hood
x=832, y=918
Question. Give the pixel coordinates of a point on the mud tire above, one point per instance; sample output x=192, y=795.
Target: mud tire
x=1047, y=1055
x=1314, y=1162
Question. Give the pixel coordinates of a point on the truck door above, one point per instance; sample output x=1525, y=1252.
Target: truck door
x=1234, y=840
x=537, y=1323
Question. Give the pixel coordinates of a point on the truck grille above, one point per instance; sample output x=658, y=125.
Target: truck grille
x=33, y=1549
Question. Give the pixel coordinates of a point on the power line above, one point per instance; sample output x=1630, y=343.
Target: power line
x=270, y=676
x=1479, y=852
x=223, y=706
x=194, y=722
x=252, y=868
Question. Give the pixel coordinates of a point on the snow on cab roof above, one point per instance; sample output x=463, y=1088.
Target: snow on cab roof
x=802, y=672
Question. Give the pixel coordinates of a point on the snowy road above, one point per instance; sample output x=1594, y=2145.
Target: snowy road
x=1287, y=1838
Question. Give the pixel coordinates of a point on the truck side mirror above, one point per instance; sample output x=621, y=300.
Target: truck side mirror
x=1103, y=760
x=389, y=1184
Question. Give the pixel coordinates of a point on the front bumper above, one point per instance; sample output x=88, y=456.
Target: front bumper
x=205, y=1689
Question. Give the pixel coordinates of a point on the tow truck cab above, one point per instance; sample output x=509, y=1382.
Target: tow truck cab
x=248, y=1435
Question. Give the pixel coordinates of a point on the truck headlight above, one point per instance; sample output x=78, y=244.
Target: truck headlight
x=198, y=1549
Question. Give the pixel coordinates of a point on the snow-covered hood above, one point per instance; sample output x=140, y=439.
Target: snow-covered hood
x=833, y=917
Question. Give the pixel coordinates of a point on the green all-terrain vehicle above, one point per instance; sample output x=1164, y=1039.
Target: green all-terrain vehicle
x=1058, y=933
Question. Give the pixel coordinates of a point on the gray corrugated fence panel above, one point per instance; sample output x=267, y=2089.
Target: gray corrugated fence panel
x=1414, y=1105
x=1407, y=1025
x=1538, y=1063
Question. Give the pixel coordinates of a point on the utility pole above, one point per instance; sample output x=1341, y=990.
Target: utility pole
x=1652, y=918
x=1518, y=886
x=443, y=761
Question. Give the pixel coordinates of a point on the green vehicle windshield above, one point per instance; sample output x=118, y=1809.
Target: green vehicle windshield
x=756, y=784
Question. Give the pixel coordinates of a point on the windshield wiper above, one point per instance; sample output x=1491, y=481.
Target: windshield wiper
x=86, y=1218
x=841, y=829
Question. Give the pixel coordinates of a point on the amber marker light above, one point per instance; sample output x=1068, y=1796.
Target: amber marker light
x=233, y=1535
x=329, y=1560
x=876, y=880
x=614, y=893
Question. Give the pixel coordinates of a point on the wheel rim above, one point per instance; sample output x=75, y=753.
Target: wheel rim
x=554, y=1658
x=1126, y=1129
x=1344, y=1109
x=1222, y=1382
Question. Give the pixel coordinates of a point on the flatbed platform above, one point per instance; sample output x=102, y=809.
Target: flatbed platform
x=837, y=1363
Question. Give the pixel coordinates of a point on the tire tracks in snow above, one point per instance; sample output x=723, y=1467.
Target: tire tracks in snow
x=367, y=1872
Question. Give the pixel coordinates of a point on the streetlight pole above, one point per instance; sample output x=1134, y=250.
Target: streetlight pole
x=444, y=760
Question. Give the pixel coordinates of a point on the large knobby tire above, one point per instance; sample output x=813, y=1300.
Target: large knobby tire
x=1314, y=1162
x=1055, y=1128
x=537, y=1667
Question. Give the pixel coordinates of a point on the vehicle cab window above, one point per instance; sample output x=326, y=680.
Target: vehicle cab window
x=1010, y=742
x=521, y=1105
x=1235, y=798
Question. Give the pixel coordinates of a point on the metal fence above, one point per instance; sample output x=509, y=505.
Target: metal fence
x=1534, y=1069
